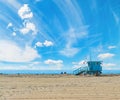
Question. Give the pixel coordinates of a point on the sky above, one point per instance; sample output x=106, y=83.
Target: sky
x=59, y=34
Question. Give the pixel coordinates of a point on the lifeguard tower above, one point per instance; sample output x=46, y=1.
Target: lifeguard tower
x=92, y=68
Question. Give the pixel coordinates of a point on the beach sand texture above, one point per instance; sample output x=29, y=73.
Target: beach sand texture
x=59, y=87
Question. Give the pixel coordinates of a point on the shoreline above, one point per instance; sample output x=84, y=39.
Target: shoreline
x=60, y=75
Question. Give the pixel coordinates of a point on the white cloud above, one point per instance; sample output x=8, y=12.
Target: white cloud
x=29, y=67
x=108, y=64
x=10, y=52
x=48, y=43
x=28, y=27
x=111, y=47
x=54, y=64
x=25, y=12
x=13, y=67
x=50, y=61
x=69, y=52
x=9, y=25
x=106, y=55
x=77, y=33
x=38, y=44
x=14, y=34
x=35, y=63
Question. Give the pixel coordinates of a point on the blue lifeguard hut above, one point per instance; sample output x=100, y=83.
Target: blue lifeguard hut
x=92, y=68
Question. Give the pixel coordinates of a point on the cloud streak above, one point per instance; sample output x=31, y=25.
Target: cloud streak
x=50, y=61
x=76, y=27
x=71, y=11
x=108, y=65
x=9, y=25
x=111, y=47
x=106, y=55
x=54, y=64
x=69, y=51
x=72, y=37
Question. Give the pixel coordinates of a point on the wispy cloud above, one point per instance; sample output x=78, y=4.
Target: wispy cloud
x=71, y=11
x=116, y=17
x=110, y=66
x=11, y=52
x=54, y=64
x=13, y=4
x=69, y=51
x=50, y=61
x=76, y=27
x=106, y=55
x=73, y=36
x=35, y=63
x=11, y=67
x=111, y=47
x=9, y=25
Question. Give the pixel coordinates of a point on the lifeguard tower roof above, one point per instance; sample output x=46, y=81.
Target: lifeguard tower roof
x=94, y=61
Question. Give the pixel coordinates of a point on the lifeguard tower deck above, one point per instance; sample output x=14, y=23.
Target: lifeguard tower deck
x=92, y=68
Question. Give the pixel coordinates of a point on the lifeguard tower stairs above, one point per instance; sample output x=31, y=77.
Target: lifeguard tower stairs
x=92, y=68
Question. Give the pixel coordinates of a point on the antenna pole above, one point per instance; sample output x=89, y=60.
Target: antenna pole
x=90, y=55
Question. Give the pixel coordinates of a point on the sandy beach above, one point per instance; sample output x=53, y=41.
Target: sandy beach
x=59, y=87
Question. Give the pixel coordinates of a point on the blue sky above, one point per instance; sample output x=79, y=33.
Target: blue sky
x=59, y=34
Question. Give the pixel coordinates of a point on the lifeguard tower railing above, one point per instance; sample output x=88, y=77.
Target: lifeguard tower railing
x=80, y=70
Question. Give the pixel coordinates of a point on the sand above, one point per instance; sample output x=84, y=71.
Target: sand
x=59, y=87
